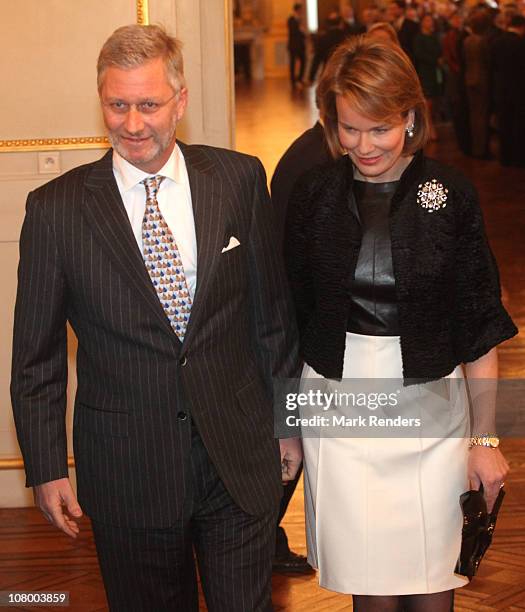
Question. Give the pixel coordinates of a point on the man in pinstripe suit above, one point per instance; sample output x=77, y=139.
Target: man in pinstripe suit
x=173, y=428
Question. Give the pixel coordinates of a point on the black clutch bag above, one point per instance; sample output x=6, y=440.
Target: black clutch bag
x=478, y=528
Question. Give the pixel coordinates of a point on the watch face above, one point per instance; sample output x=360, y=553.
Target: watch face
x=494, y=442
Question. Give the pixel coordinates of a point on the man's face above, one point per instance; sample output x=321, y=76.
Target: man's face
x=141, y=111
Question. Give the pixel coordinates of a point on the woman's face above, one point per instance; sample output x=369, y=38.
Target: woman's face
x=374, y=147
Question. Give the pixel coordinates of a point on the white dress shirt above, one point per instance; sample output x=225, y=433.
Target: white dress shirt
x=174, y=198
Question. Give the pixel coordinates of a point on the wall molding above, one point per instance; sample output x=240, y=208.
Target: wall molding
x=74, y=142
x=17, y=463
x=142, y=12
x=54, y=144
x=228, y=42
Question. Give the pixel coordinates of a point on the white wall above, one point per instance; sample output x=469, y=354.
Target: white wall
x=49, y=52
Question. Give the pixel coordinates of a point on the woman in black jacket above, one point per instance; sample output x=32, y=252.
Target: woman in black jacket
x=392, y=277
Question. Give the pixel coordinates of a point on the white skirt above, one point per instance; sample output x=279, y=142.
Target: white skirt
x=383, y=514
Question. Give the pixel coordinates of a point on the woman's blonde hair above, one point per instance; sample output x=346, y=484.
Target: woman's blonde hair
x=379, y=81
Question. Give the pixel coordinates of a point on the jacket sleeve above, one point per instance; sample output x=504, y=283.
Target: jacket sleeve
x=298, y=264
x=480, y=322
x=274, y=320
x=39, y=366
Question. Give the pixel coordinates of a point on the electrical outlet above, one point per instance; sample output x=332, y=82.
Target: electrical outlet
x=49, y=162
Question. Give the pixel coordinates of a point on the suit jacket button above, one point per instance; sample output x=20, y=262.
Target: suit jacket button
x=182, y=416
x=183, y=361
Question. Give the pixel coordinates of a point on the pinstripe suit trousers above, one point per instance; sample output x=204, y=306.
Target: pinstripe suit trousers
x=147, y=570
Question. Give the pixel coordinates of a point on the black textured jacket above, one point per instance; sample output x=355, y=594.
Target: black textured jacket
x=447, y=282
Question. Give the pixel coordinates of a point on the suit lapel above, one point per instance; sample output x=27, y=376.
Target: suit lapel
x=209, y=215
x=105, y=213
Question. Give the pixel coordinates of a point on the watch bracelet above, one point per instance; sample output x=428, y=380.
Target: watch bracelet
x=483, y=439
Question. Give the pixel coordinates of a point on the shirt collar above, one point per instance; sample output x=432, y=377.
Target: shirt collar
x=131, y=176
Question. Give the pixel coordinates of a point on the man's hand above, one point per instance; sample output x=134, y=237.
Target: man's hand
x=487, y=466
x=51, y=496
x=291, y=457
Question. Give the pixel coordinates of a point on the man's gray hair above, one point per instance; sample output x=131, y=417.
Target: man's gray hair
x=132, y=45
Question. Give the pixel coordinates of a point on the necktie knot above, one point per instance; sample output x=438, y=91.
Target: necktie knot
x=152, y=184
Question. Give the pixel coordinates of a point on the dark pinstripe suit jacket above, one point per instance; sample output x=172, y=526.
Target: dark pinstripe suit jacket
x=79, y=262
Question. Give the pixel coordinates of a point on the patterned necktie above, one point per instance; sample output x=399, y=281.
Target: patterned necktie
x=163, y=261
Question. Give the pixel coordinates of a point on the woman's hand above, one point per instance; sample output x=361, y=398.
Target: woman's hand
x=489, y=467
x=485, y=465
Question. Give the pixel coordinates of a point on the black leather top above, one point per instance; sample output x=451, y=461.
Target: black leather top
x=373, y=304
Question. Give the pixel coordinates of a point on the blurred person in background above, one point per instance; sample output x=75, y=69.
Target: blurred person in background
x=326, y=42
x=508, y=82
x=369, y=16
x=477, y=81
x=427, y=53
x=411, y=13
x=455, y=93
x=406, y=29
x=296, y=45
x=349, y=22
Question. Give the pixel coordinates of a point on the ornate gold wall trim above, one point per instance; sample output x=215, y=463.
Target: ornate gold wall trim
x=142, y=12
x=16, y=463
x=76, y=142
x=228, y=40
x=54, y=144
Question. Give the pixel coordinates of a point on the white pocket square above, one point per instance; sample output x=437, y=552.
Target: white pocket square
x=231, y=245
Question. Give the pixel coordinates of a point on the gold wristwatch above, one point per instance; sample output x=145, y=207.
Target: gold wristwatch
x=489, y=440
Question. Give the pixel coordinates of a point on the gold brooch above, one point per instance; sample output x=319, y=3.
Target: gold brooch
x=432, y=195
